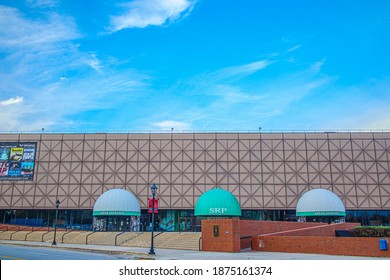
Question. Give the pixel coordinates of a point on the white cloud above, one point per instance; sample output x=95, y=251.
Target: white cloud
x=26, y=33
x=241, y=70
x=12, y=101
x=294, y=48
x=42, y=3
x=317, y=66
x=57, y=81
x=168, y=125
x=141, y=14
x=92, y=61
x=241, y=97
x=54, y=105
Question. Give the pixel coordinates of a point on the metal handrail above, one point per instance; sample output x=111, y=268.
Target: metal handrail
x=246, y=237
x=10, y=237
x=330, y=130
x=200, y=249
x=62, y=239
x=4, y=230
x=46, y=233
x=140, y=225
x=161, y=232
x=32, y=230
x=86, y=238
x=13, y=227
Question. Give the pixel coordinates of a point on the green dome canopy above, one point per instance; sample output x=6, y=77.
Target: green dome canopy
x=217, y=202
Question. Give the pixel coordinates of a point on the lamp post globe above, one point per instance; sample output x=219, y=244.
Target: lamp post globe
x=55, y=225
x=153, y=189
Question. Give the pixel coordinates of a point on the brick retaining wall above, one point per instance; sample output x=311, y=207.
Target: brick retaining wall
x=349, y=246
x=231, y=230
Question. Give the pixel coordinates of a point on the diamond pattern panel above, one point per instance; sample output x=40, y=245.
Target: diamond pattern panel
x=382, y=150
x=182, y=196
x=23, y=195
x=274, y=196
x=251, y=196
x=264, y=171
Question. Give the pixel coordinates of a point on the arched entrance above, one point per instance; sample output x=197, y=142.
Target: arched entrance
x=116, y=210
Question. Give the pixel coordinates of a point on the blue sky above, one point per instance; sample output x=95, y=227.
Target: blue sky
x=105, y=65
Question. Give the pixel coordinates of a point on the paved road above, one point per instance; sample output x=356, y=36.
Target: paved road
x=13, y=252
x=44, y=251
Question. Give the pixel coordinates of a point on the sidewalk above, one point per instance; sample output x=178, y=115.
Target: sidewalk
x=169, y=254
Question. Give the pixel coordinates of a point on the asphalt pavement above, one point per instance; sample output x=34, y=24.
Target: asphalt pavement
x=170, y=254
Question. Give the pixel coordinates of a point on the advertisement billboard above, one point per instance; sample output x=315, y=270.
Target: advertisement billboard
x=17, y=160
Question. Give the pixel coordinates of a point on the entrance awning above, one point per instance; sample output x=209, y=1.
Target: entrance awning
x=217, y=202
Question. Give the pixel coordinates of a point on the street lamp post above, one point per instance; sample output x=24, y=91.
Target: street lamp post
x=55, y=226
x=154, y=189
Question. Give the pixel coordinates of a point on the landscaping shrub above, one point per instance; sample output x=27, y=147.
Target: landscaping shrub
x=374, y=231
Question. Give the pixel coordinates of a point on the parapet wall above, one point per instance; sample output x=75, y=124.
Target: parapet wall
x=348, y=246
x=251, y=228
x=230, y=232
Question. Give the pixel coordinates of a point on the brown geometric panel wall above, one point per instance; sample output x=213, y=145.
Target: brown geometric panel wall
x=264, y=171
x=341, y=164
x=182, y=172
x=137, y=166
x=250, y=172
x=273, y=171
x=160, y=167
x=366, y=172
x=205, y=164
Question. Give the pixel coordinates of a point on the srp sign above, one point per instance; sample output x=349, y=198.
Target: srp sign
x=216, y=210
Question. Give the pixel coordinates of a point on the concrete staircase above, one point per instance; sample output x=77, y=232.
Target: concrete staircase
x=167, y=240
x=183, y=240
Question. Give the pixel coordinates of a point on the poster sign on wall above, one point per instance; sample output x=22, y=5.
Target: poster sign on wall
x=17, y=160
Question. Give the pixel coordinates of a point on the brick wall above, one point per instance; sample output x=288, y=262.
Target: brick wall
x=248, y=227
x=228, y=239
x=230, y=231
x=320, y=245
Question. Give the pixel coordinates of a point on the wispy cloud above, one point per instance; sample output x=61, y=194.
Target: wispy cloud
x=11, y=101
x=42, y=3
x=171, y=125
x=26, y=33
x=240, y=97
x=46, y=81
x=141, y=14
x=294, y=48
x=238, y=72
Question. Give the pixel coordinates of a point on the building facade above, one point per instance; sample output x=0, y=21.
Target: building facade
x=267, y=172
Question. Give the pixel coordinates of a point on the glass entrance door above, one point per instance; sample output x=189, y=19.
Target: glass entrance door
x=186, y=224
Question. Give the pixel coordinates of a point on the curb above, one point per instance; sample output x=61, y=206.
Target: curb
x=96, y=250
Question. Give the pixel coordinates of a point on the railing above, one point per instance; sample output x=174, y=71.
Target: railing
x=25, y=237
x=6, y=229
x=200, y=244
x=262, y=130
x=10, y=237
x=62, y=238
x=161, y=232
x=116, y=237
x=9, y=229
x=48, y=231
x=86, y=238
